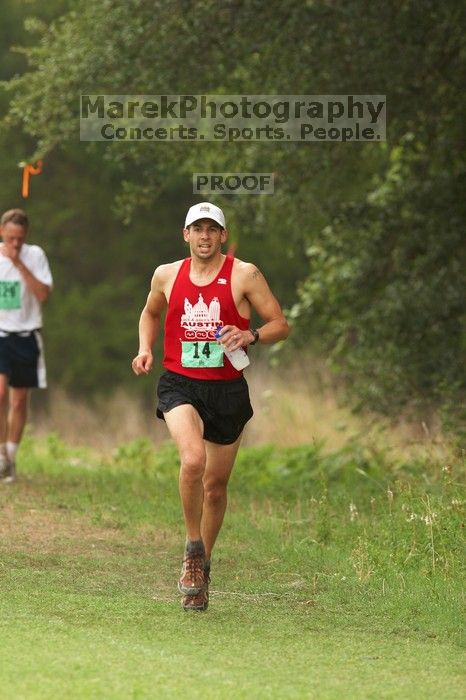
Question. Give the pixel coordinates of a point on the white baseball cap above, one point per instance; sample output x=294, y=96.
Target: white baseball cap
x=205, y=210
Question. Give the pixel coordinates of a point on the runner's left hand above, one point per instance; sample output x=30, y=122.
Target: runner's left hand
x=233, y=338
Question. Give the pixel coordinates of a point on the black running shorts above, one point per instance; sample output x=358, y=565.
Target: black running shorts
x=223, y=406
x=21, y=359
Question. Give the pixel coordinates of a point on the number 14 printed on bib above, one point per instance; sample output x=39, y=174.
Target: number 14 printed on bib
x=201, y=354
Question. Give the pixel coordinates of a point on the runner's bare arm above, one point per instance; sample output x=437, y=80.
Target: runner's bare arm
x=252, y=286
x=259, y=295
x=149, y=322
x=40, y=290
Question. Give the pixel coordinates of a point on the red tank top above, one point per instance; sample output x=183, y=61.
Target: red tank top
x=194, y=313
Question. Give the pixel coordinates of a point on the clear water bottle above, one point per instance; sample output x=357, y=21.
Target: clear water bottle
x=238, y=357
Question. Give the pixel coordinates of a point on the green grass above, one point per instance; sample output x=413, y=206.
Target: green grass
x=335, y=576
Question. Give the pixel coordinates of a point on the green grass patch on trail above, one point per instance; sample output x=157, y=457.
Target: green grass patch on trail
x=335, y=575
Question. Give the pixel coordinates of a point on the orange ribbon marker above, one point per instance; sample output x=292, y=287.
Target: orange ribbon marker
x=29, y=170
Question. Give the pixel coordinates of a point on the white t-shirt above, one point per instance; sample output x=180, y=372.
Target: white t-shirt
x=19, y=308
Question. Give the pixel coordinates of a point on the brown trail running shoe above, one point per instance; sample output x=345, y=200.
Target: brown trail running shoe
x=192, y=580
x=196, y=602
x=201, y=600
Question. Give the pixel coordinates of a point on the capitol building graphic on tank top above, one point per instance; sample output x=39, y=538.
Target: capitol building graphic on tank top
x=201, y=321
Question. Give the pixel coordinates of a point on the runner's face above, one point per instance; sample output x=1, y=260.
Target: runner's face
x=205, y=238
x=13, y=236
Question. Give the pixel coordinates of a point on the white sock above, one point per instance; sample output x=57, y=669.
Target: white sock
x=11, y=449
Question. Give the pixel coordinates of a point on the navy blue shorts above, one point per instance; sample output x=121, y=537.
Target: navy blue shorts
x=223, y=406
x=21, y=359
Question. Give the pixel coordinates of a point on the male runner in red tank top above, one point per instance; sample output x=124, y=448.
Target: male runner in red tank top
x=202, y=397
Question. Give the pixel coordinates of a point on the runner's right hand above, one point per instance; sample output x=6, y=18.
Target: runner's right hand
x=142, y=363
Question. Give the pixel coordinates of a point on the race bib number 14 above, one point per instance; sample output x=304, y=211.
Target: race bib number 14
x=10, y=294
x=201, y=354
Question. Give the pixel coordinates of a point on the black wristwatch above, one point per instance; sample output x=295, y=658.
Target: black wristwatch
x=255, y=333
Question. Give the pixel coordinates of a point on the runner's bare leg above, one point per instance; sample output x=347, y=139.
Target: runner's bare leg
x=186, y=429
x=220, y=461
x=18, y=413
x=4, y=392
